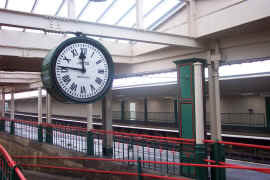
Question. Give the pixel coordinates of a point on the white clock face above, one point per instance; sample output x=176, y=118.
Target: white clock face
x=81, y=70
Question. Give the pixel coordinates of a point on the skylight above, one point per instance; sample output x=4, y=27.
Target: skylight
x=113, y=12
x=47, y=7
x=27, y=5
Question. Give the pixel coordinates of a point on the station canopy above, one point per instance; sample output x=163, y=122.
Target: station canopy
x=112, y=12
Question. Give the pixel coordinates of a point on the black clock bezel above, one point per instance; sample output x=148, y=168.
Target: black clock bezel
x=57, y=91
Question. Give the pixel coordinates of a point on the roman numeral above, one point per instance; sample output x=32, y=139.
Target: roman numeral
x=101, y=71
x=83, y=91
x=98, y=80
x=93, y=89
x=66, y=59
x=92, y=54
x=74, y=52
x=73, y=87
x=63, y=69
x=99, y=61
x=66, y=79
x=84, y=51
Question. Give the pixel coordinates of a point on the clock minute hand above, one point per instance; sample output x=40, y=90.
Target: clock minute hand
x=73, y=68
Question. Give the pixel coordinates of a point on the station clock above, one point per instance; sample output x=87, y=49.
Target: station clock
x=79, y=70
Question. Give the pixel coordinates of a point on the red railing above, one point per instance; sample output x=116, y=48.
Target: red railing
x=12, y=166
x=152, y=138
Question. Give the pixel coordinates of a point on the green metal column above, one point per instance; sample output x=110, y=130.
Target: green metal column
x=187, y=119
x=175, y=112
x=122, y=110
x=90, y=144
x=267, y=111
x=145, y=110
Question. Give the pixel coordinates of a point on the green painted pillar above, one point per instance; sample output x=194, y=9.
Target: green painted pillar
x=267, y=111
x=40, y=133
x=186, y=103
x=90, y=144
x=218, y=154
x=122, y=110
x=175, y=112
x=145, y=101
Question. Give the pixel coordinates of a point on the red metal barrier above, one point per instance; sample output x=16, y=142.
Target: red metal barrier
x=11, y=163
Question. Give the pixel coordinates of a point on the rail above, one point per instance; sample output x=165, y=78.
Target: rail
x=126, y=146
x=9, y=169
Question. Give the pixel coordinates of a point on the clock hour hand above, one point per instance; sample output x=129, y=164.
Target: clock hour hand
x=82, y=57
x=73, y=68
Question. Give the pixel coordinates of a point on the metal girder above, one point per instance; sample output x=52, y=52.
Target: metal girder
x=60, y=7
x=6, y=4
x=63, y=25
x=34, y=6
x=28, y=41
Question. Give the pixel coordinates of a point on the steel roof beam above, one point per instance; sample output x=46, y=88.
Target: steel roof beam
x=63, y=25
x=60, y=7
x=6, y=4
x=34, y=6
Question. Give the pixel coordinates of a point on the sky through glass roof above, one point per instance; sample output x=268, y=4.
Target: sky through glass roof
x=113, y=12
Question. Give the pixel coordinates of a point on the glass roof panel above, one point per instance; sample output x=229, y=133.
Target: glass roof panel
x=47, y=7
x=149, y=4
x=94, y=10
x=15, y=5
x=160, y=11
x=117, y=11
x=2, y=3
x=64, y=10
x=129, y=20
x=79, y=6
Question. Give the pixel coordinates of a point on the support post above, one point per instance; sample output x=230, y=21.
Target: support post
x=191, y=115
x=122, y=110
x=145, y=102
x=139, y=168
x=3, y=103
x=217, y=153
x=2, y=122
x=12, y=105
x=139, y=14
x=12, y=113
x=40, y=131
x=107, y=123
x=175, y=112
x=71, y=9
x=89, y=117
x=200, y=149
x=49, y=129
x=90, y=136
